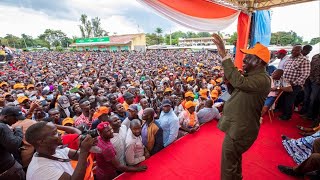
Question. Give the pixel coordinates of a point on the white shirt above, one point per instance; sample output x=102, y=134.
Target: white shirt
x=184, y=119
x=119, y=143
x=282, y=62
x=43, y=168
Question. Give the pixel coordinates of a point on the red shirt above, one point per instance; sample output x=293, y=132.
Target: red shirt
x=105, y=168
x=72, y=140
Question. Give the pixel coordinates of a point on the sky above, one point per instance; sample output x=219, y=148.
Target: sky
x=32, y=17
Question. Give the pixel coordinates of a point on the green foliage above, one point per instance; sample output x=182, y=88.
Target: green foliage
x=233, y=38
x=314, y=41
x=59, y=49
x=153, y=39
x=53, y=37
x=285, y=38
x=91, y=28
x=204, y=34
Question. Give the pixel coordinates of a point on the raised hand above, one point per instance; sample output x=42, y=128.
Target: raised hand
x=220, y=45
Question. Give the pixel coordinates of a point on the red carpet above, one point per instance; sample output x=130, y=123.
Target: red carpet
x=197, y=156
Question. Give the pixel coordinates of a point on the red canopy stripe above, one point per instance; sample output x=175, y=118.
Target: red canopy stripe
x=199, y=8
x=242, y=41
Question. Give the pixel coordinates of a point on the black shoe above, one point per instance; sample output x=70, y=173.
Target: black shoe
x=289, y=171
x=284, y=118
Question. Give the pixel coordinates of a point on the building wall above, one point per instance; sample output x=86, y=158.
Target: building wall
x=139, y=43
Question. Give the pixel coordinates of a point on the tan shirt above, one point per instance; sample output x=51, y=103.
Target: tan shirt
x=27, y=149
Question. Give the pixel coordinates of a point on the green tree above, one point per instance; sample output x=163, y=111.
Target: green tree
x=85, y=27
x=314, y=41
x=285, y=38
x=191, y=34
x=175, y=37
x=159, y=32
x=13, y=41
x=96, y=28
x=204, y=34
x=53, y=37
x=28, y=40
x=152, y=39
x=41, y=43
x=233, y=38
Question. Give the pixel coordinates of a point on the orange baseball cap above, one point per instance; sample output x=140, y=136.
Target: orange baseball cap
x=259, y=50
x=203, y=93
x=21, y=99
x=100, y=111
x=168, y=90
x=189, y=94
x=190, y=104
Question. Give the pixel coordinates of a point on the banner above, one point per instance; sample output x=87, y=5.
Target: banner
x=261, y=28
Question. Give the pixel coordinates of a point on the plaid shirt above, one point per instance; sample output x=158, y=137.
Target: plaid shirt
x=297, y=70
x=315, y=71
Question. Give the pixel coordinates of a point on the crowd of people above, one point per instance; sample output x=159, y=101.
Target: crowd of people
x=94, y=115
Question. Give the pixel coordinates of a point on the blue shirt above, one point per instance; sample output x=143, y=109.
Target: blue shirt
x=169, y=123
x=208, y=114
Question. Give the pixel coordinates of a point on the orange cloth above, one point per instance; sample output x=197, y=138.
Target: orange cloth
x=125, y=105
x=89, y=173
x=192, y=119
x=151, y=133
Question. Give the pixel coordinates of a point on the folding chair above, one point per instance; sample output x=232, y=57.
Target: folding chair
x=270, y=111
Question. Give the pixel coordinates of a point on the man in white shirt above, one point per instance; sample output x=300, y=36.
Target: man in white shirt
x=282, y=55
x=208, y=113
x=119, y=138
x=51, y=161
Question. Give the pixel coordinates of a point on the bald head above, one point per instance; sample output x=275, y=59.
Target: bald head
x=135, y=123
x=209, y=103
x=296, y=50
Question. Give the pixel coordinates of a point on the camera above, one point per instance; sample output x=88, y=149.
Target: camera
x=93, y=133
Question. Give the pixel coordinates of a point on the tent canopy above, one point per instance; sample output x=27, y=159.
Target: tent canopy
x=251, y=5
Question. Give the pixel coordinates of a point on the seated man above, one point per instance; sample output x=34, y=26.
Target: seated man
x=309, y=165
x=208, y=113
x=278, y=83
x=50, y=161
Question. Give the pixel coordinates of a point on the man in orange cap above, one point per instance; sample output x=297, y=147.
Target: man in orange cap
x=188, y=119
x=101, y=115
x=241, y=113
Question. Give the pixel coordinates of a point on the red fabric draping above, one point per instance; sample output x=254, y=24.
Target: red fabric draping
x=200, y=15
x=243, y=35
x=199, y=8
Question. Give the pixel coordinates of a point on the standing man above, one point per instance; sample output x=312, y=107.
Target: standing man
x=169, y=123
x=10, y=142
x=151, y=133
x=241, y=113
x=296, y=71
